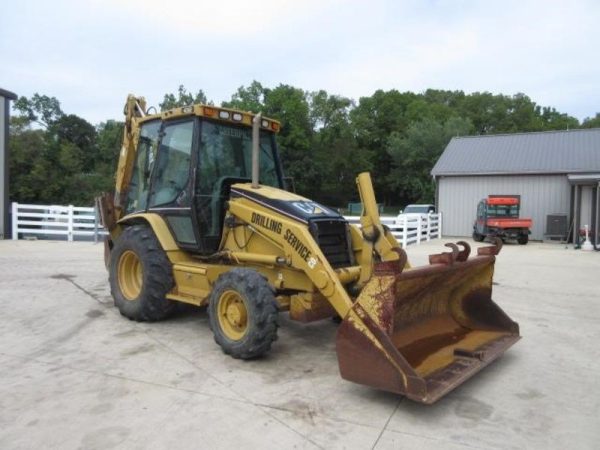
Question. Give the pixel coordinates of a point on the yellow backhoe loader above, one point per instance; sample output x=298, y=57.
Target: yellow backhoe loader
x=200, y=215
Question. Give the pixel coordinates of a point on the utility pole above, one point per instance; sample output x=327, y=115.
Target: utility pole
x=5, y=98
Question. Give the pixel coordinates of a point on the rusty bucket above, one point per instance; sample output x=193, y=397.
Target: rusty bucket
x=423, y=331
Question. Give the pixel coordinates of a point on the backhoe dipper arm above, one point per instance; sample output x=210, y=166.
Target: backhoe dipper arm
x=112, y=207
x=134, y=109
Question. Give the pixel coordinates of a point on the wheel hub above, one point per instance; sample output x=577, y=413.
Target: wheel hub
x=130, y=274
x=233, y=315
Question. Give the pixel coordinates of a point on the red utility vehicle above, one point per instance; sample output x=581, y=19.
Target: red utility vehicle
x=498, y=216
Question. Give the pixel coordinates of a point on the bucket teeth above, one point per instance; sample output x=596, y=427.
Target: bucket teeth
x=491, y=250
x=446, y=258
x=456, y=255
x=463, y=255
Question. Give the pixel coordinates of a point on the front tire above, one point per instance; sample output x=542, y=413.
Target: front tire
x=523, y=239
x=140, y=275
x=243, y=313
x=478, y=237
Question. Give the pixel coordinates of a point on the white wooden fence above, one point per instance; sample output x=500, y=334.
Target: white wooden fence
x=54, y=220
x=410, y=230
x=72, y=221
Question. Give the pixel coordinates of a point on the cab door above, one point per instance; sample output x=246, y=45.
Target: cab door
x=171, y=188
x=147, y=150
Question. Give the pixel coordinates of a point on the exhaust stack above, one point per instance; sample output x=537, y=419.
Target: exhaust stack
x=255, y=149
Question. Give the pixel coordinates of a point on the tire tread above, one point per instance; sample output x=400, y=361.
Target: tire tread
x=151, y=305
x=263, y=309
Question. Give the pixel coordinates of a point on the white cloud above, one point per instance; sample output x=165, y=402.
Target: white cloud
x=90, y=55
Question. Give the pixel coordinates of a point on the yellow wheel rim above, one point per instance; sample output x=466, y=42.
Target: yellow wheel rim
x=130, y=274
x=233, y=315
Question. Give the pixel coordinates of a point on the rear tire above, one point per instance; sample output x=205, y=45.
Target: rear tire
x=140, y=275
x=243, y=313
x=523, y=239
x=478, y=237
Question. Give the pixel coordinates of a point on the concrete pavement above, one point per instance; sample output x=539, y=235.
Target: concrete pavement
x=75, y=374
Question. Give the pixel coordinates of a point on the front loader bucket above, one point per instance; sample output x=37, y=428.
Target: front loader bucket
x=423, y=331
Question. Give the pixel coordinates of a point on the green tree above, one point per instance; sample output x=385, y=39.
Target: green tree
x=337, y=155
x=415, y=152
x=554, y=120
x=109, y=140
x=590, y=122
x=27, y=165
x=251, y=98
x=325, y=140
x=183, y=98
x=290, y=106
x=59, y=163
x=41, y=109
x=373, y=120
x=73, y=130
x=492, y=114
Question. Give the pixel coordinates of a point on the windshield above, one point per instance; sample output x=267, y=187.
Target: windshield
x=503, y=210
x=416, y=209
x=225, y=158
x=226, y=151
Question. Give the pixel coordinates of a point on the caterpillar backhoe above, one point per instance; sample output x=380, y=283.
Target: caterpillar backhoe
x=200, y=215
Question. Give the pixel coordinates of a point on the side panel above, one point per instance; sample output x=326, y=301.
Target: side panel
x=540, y=195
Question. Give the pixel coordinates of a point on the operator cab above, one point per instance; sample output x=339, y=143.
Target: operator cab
x=496, y=206
x=499, y=207
x=185, y=168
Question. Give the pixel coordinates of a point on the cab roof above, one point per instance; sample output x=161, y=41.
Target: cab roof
x=502, y=200
x=227, y=115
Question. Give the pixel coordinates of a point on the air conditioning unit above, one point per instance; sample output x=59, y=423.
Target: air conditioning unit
x=557, y=226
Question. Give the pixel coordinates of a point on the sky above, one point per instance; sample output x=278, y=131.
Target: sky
x=91, y=54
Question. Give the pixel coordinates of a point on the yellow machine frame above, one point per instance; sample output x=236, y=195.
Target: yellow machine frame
x=390, y=310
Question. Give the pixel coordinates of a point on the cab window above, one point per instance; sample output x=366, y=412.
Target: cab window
x=137, y=195
x=225, y=158
x=480, y=210
x=172, y=180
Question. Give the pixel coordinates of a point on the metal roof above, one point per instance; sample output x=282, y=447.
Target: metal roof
x=573, y=151
x=7, y=94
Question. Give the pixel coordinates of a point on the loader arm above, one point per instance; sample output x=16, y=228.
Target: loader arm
x=377, y=239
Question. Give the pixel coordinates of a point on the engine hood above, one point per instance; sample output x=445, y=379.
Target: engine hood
x=291, y=205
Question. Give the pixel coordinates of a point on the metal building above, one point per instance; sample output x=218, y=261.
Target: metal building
x=554, y=172
x=5, y=98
